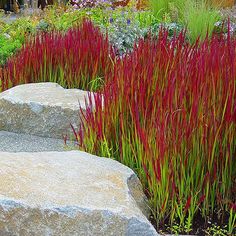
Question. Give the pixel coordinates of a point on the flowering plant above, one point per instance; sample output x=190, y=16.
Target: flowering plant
x=77, y=4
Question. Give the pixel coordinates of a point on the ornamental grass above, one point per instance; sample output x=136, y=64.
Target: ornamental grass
x=169, y=113
x=78, y=58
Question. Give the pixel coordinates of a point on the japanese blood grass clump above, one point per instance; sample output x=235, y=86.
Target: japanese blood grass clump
x=169, y=113
x=78, y=58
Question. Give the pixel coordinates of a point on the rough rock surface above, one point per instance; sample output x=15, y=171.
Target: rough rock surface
x=69, y=193
x=43, y=109
x=13, y=142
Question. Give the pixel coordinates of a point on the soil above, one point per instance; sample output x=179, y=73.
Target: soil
x=200, y=226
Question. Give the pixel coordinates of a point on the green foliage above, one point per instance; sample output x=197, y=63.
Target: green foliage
x=123, y=32
x=123, y=25
x=232, y=222
x=164, y=9
x=60, y=18
x=145, y=18
x=200, y=20
x=101, y=16
x=8, y=46
x=177, y=228
x=96, y=84
x=13, y=35
x=197, y=15
x=173, y=28
x=42, y=26
x=216, y=230
x=20, y=28
x=126, y=28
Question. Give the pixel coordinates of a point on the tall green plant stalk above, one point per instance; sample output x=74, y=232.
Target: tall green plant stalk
x=200, y=19
x=171, y=8
x=198, y=16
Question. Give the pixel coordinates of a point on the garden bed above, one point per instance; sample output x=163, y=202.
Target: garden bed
x=165, y=104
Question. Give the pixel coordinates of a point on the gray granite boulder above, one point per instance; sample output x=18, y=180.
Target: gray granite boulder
x=14, y=142
x=42, y=109
x=70, y=193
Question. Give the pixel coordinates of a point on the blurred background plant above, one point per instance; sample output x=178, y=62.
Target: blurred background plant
x=124, y=25
x=172, y=10
x=60, y=18
x=229, y=14
x=173, y=29
x=198, y=16
x=13, y=36
x=8, y=47
x=124, y=32
x=200, y=19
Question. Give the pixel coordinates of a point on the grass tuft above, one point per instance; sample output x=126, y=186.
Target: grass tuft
x=169, y=113
x=77, y=59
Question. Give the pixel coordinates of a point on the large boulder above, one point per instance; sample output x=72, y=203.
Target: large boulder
x=43, y=109
x=13, y=142
x=70, y=193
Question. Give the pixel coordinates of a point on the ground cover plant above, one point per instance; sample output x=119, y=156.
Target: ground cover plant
x=168, y=111
x=77, y=59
